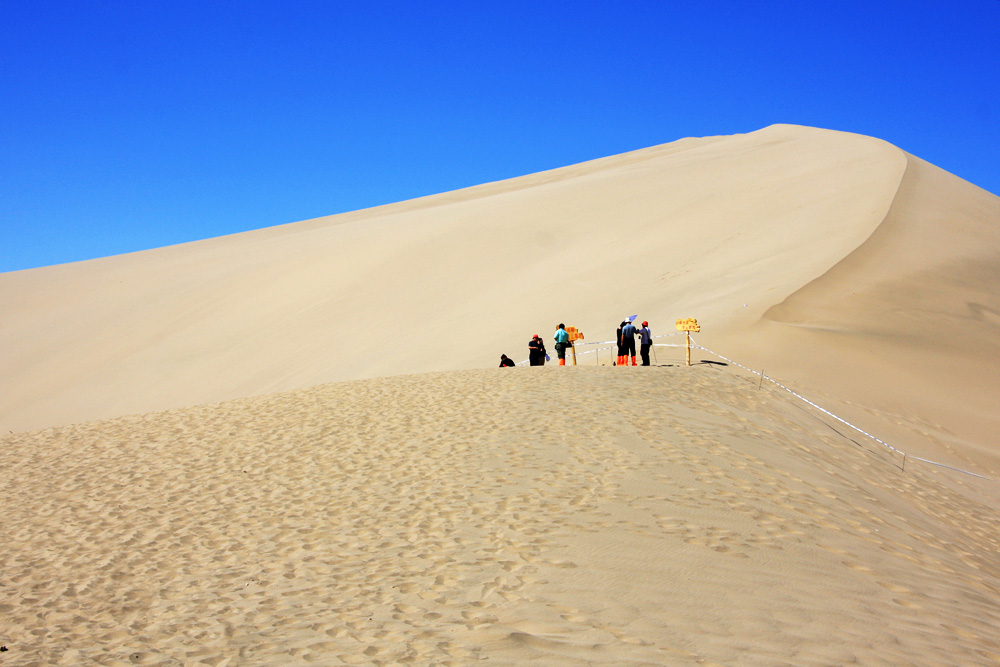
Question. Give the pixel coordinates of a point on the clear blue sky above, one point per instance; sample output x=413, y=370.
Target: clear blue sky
x=131, y=125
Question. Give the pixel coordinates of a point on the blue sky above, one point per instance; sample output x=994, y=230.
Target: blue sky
x=132, y=125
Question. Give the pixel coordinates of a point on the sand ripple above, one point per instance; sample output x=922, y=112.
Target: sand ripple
x=554, y=516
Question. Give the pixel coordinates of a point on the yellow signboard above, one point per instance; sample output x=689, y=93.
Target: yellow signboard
x=574, y=334
x=690, y=324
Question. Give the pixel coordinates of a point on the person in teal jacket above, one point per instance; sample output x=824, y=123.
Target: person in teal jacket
x=562, y=342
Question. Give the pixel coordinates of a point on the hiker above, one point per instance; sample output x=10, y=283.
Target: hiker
x=628, y=343
x=506, y=361
x=536, y=351
x=618, y=337
x=562, y=342
x=645, y=342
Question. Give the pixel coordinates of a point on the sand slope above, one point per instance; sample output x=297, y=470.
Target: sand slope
x=350, y=507
x=909, y=323
x=548, y=516
x=835, y=262
x=698, y=227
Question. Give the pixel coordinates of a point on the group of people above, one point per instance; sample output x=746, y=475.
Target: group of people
x=626, y=343
x=627, y=333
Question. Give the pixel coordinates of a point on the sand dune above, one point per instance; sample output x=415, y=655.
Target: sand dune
x=292, y=446
x=838, y=263
x=658, y=516
x=721, y=228
x=909, y=322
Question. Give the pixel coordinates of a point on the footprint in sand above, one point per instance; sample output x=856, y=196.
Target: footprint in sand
x=907, y=603
x=856, y=567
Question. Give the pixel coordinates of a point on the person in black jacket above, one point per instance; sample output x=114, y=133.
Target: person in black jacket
x=506, y=361
x=536, y=351
x=621, y=349
x=645, y=342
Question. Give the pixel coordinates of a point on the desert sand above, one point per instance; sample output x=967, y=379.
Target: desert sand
x=551, y=516
x=781, y=242
x=292, y=446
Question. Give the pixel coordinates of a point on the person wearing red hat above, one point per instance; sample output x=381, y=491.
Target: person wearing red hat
x=645, y=342
x=536, y=351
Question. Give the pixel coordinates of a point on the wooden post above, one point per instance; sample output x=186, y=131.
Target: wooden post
x=687, y=326
x=574, y=335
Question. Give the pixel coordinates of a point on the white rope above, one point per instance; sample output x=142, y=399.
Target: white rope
x=612, y=346
x=763, y=377
x=611, y=342
x=841, y=420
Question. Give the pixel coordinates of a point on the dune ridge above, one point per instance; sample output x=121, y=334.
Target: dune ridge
x=526, y=516
x=916, y=305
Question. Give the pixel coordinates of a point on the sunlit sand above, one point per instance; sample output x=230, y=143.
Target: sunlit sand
x=293, y=446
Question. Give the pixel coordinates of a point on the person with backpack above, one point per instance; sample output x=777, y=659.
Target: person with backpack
x=562, y=342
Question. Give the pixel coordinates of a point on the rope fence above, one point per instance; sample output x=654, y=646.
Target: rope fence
x=763, y=377
x=610, y=345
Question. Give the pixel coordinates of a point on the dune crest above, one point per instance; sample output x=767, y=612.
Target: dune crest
x=916, y=304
